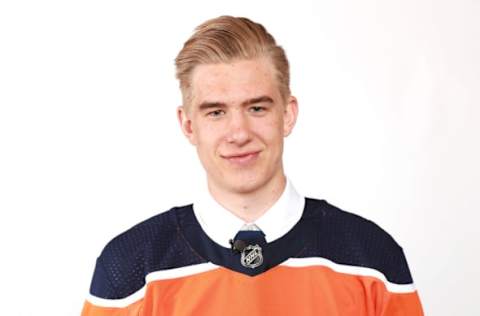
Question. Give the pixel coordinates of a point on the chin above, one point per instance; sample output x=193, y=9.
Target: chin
x=243, y=184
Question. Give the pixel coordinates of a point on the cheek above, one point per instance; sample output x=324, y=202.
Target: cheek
x=271, y=131
x=208, y=140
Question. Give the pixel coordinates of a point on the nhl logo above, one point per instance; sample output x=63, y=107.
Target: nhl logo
x=251, y=256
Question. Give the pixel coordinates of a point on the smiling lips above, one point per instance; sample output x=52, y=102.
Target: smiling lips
x=243, y=158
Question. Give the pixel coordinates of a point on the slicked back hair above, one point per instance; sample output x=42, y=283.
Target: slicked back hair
x=228, y=39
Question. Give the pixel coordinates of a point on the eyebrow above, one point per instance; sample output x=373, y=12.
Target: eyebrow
x=207, y=105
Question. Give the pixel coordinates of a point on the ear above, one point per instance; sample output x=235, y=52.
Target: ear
x=290, y=115
x=185, y=124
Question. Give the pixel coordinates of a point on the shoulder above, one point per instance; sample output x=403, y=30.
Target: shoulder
x=158, y=226
x=349, y=239
x=156, y=230
x=331, y=218
x=153, y=244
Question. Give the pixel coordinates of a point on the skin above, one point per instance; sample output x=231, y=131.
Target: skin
x=237, y=120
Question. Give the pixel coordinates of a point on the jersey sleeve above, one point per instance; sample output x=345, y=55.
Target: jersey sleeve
x=104, y=299
x=401, y=304
x=118, y=282
x=360, y=247
x=393, y=299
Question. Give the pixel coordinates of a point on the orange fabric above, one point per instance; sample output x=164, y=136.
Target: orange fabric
x=280, y=291
x=134, y=309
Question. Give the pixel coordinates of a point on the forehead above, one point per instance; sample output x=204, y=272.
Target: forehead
x=234, y=82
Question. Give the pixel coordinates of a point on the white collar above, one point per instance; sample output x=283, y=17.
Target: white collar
x=221, y=225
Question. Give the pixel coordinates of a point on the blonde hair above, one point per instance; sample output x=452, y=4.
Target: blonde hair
x=224, y=40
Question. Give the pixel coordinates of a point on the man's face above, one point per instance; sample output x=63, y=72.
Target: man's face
x=237, y=120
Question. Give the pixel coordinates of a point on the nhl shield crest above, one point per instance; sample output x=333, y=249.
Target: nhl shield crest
x=252, y=256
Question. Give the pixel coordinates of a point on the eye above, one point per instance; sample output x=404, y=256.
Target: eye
x=216, y=113
x=257, y=109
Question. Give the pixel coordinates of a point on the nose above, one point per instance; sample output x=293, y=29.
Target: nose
x=238, y=131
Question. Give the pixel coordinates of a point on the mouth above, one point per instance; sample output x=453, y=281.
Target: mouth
x=242, y=158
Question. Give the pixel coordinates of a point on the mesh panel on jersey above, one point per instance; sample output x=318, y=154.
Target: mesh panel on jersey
x=155, y=244
x=346, y=238
x=325, y=231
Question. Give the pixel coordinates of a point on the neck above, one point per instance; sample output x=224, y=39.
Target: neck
x=250, y=206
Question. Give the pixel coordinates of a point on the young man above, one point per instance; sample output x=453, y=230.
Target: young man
x=250, y=244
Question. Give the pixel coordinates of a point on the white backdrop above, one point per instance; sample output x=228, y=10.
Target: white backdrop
x=388, y=129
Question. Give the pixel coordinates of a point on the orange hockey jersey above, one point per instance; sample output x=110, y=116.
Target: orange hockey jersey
x=330, y=263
